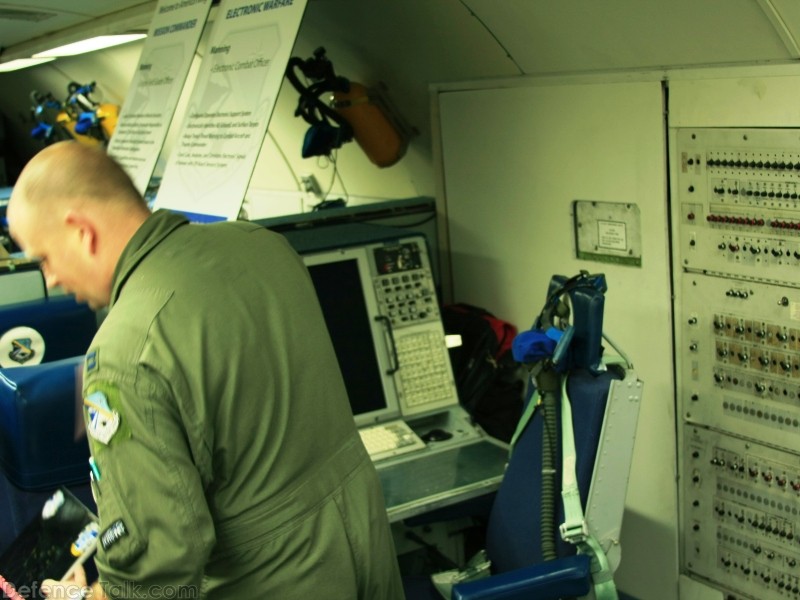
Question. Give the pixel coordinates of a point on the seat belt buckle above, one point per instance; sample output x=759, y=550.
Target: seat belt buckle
x=574, y=528
x=574, y=533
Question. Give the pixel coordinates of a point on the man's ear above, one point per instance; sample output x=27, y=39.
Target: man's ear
x=85, y=228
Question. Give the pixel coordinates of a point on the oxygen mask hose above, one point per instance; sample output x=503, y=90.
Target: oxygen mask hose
x=548, y=382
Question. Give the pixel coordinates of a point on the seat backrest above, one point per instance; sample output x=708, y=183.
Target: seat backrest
x=44, y=330
x=514, y=534
x=42, y=344
x=42, y=442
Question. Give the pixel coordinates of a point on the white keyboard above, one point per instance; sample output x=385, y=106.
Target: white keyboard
x=389, y=439
x=425, y=375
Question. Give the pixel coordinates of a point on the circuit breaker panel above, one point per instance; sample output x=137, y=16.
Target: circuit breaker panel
x=736, y=232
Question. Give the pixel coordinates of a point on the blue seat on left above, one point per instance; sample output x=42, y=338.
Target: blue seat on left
x=42, y=444
x=60, y=327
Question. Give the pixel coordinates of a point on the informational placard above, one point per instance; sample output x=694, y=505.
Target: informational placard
x=608, y=232
x=156, y=87
x=209, y=170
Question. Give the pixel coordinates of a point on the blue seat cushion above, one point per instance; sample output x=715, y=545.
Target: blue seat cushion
x=562, y=578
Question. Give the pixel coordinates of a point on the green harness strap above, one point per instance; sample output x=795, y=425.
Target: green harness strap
x=574, y=528
x=526, y=416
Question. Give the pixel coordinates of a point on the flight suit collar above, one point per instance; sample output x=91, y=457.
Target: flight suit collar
x=158, y=226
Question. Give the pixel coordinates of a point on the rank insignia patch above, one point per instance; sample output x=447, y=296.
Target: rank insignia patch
x=91, y=362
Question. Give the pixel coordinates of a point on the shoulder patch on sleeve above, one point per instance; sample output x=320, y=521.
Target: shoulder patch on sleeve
x=103, y=412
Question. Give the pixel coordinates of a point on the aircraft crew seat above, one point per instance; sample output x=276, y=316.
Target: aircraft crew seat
x=42, y=440
x=554, y=527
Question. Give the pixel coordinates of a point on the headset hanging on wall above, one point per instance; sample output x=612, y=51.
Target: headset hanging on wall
x=328, y=129
x=352, y=111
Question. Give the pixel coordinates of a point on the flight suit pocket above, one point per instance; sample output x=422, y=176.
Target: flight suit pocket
x=120, y=541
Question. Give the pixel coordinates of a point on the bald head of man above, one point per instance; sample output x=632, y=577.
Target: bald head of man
x=74, y=209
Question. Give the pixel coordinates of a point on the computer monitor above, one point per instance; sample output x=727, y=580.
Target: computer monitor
x=380, y=305
x=357, y=337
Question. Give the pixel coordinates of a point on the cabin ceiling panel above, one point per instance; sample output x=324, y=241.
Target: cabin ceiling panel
x=586, y=35
x=23, y=20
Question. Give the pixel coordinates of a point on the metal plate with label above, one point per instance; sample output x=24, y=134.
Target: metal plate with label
x=608, y=232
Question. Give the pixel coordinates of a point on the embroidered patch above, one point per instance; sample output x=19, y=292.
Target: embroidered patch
x=92, y=361
x=104, y=414
x=102, y=422
x=113, y=533
x=22, y=350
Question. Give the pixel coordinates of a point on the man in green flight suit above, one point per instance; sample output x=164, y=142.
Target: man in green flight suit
x=225, y=460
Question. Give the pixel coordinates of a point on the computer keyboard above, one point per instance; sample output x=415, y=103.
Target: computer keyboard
x=389, y=439
x=425, y=374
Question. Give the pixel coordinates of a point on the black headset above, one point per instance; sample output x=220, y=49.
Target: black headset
x=329, y=130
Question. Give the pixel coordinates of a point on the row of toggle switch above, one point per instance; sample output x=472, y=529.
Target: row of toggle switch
x=744, y=357
x=750, y=221
x=783, y=531
x=734, y=220
x=782, y=391
x=765, y=576
x=755, y=250
x=755, y=329
x=753, y=164
x=768, y=476
x=757, y=193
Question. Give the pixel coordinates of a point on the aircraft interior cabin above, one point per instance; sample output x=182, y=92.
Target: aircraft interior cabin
x=469, y=299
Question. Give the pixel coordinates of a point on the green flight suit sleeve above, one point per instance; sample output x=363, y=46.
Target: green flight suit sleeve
x=155, y=526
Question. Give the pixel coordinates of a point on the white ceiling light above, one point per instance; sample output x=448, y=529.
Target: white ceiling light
x=90, y=45
x=22, y=63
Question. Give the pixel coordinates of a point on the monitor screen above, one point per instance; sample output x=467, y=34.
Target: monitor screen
x=356, y=337
x=379, y=299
